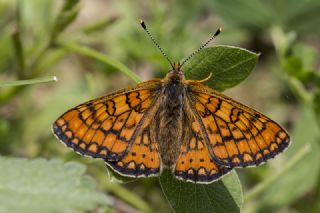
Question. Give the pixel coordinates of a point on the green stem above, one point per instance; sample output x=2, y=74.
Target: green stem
x=29, y=81
x=18, y=49
x=127, y=196
x=121, y=192
x=300, y=92
x=99, y=25
x=268, y=182
x=101, y=57
x=316, y=205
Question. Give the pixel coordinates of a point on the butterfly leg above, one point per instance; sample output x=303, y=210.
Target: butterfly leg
x=201, y=81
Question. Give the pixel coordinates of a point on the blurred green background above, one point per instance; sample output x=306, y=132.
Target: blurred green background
x=45, y=38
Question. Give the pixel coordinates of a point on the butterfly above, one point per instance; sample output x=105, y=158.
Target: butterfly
x=196, y=132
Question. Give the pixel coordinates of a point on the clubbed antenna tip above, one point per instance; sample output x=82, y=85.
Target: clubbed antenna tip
x=218, y=32
x=144, y=26
x=202, y=46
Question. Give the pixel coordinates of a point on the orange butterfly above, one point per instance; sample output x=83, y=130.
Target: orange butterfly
x=197, y=132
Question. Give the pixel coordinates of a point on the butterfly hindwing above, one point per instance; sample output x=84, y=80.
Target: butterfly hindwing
x=238, y=136
x=195, y=163
x=106, y=127
x=142, y=160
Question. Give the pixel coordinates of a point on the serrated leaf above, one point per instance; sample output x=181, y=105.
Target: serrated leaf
x=228, y=65
x=224, y=195
x=46, y=186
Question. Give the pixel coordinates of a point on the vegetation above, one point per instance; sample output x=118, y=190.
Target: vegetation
x=94, y=47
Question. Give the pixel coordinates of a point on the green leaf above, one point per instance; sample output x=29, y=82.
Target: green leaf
x=29, y=81
x=224, y=195
x=293, y=66
x=67, y=15
x=101, y=57
x=228, y=65
x=46, y=186
x=99, y=25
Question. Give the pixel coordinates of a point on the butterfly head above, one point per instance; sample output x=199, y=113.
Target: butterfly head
x=175, y=74
x=176, y=66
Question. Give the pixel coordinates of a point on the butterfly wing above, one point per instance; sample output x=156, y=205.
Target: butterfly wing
x=107, y=127
x=237, y=136
x=195, y=163
x=143, y=158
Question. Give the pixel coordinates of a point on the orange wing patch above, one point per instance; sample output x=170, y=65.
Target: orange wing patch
x=238, y=136
x=142, y=160
x=105, y=127
x=195, y=163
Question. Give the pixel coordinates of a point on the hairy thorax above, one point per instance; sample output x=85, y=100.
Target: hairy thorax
x=170, y=118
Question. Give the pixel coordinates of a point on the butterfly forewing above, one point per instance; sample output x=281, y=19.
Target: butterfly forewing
x=107, y=127
x=236, y=135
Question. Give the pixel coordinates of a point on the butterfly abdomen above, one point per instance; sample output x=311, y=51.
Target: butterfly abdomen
x=170, y=118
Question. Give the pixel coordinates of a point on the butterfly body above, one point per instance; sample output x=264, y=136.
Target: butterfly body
x=197, y=132
x=169, y=117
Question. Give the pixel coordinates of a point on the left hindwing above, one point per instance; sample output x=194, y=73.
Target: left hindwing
x=237, y=136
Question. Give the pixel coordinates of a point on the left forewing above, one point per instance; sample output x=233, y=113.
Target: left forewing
x=107, y=127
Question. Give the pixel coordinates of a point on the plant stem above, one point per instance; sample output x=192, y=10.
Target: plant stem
x=121, y=192
x=101, y=57
x=29, y=81
x=127, y=196
x=265, y=184
x=18, y=49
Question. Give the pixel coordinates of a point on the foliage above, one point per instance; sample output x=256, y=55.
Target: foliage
x=224, y=195
x=228, y=65
x=92, y=56
x=46, y=186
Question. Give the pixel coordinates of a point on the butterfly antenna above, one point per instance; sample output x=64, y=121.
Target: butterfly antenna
x=202, y=46
x=156, y=43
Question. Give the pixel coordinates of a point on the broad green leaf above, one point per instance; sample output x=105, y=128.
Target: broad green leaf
x=46, y=186
x=228, y=65
x=224, y=195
